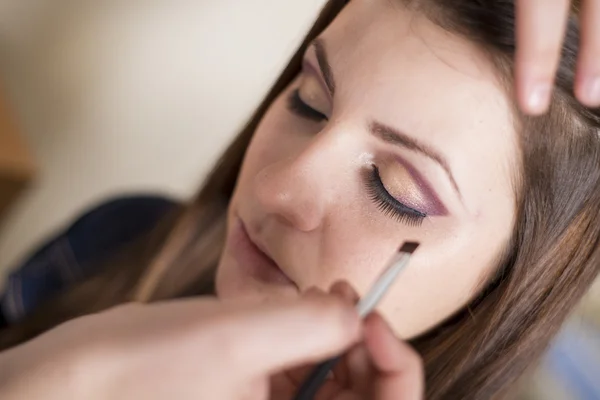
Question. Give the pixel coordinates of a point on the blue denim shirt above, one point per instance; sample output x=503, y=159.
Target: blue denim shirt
x=70, y=256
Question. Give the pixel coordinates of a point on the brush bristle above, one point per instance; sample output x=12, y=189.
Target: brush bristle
x=408, y=247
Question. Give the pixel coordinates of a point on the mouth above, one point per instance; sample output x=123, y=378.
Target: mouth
x=253, y=258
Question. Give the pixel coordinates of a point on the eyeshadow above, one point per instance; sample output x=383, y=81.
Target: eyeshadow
x=429, y=203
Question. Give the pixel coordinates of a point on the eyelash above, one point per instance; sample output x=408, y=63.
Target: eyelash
x=388, y=204
x=377, y=191
x=300, y=108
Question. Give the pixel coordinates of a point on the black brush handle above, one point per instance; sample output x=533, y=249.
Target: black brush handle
x=315, y=380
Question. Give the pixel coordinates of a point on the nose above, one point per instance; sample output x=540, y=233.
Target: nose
x=298, y=190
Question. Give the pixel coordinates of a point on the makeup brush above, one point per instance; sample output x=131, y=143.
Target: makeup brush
x=365, y=306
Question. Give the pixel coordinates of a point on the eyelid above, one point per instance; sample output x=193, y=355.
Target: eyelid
x=433, y=205
x=388, y=204
x=311, y=93
x=296, y=105
x=401, y=186
x=310, y=69
x=403, y=202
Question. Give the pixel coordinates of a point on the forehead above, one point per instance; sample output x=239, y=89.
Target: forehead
x=396, y=66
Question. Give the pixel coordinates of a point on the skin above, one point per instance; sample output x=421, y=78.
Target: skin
x=302, y=193
x=540, y=30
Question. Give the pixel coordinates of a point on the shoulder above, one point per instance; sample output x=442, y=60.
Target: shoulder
x=73, y=253
x=113, y=223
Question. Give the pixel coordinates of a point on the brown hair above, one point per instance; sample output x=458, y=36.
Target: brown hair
x=552, y=259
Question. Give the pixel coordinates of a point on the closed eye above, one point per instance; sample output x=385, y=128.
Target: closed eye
x=388, y=204
x=299, y=107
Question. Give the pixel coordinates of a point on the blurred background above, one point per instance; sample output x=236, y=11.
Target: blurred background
x=104, y=98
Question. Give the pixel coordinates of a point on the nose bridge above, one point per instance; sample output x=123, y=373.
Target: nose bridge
x=318, y=161
x=300, y=189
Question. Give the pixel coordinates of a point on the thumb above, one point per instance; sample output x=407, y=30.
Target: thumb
x=275, y=337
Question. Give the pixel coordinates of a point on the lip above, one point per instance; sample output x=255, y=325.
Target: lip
x=253, y=258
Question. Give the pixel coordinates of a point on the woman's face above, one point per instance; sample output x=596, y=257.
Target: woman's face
x=394, y=130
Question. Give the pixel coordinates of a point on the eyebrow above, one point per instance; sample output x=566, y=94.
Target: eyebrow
x=395, y=137
x=324, y=65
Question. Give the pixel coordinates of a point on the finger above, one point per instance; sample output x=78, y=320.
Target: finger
x=274, y=337
x=334, y=385
x=540, y=30
x=285, y=385
x=345, y=291
x=257, y=389
x=281, y=387
x=313, y=291
x=341, y=372
x=298, y=375
x=399, y=368
x=587, y=86
x=360, y=369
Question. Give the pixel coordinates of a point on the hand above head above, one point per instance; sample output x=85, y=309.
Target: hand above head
x=541, y=27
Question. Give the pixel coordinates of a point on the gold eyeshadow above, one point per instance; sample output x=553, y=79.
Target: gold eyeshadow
x=400, y=183
x=406, y=184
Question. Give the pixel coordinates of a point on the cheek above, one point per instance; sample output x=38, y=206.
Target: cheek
x=351, y=254
x=441, y=279
x=443, y=276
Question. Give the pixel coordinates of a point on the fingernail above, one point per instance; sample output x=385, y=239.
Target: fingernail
x=592, y=90
x=538, y=97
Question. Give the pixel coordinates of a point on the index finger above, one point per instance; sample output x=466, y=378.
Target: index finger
x=271, y=338
x=399, y=367
x=540, y=29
